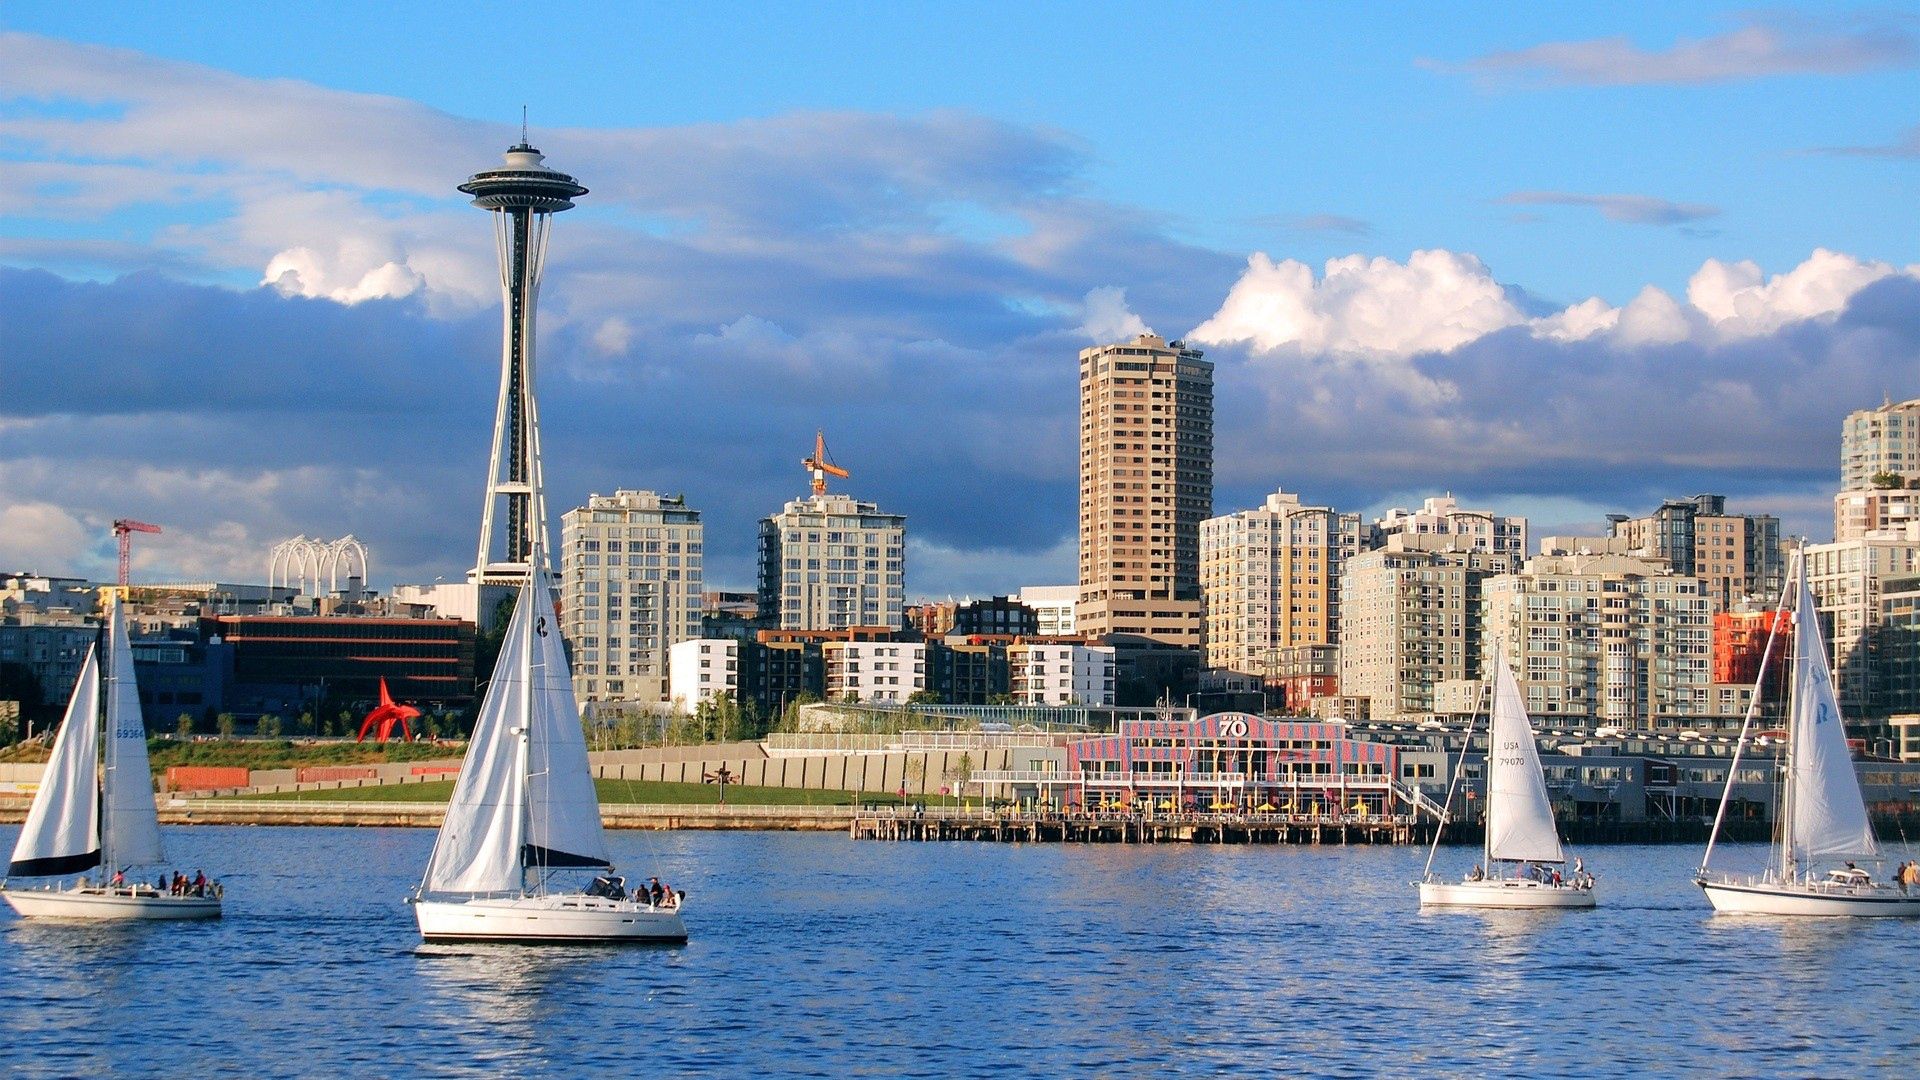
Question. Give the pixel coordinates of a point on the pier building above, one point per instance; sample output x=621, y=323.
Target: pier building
x=1222, y=762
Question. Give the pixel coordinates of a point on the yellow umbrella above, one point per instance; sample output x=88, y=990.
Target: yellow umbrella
x=1218, y=805
x=1268, y=807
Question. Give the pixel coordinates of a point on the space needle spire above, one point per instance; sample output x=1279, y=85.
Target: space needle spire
x=523, y=195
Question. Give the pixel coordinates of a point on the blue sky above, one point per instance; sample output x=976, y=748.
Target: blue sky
x=873, y=211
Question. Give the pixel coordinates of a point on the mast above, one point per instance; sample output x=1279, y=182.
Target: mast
x=1459, y=767
x=525, y=770
x=1486, y=766
x=1785, y=849
x=102, y=718
x=1746, y=725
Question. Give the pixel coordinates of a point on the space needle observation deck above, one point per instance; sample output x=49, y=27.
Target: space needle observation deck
x=524, y=195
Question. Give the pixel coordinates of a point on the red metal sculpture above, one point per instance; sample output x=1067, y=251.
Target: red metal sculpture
x=386, y=714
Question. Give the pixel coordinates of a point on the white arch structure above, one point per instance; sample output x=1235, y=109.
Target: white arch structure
x=303, y=563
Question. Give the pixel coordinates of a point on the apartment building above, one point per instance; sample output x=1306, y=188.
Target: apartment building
x=1270, y=580
x=630, y=588
x=1146, y=483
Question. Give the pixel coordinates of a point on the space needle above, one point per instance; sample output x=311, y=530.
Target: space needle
x=524, y=194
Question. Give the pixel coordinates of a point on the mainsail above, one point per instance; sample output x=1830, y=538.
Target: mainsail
x=525, y=794
x=1828, y=816
x=132, y=822
x=1520, y=822
x=62, y=833
x=479, y=845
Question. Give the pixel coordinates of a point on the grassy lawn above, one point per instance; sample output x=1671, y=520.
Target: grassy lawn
x=614, y=791
x=265, y=753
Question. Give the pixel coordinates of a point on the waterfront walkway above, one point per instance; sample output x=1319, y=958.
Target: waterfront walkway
x=427, y=815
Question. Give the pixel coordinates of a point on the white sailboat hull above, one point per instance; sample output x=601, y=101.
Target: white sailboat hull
x=1759, y=897
x=1504, y=893
x=574, y=918
x=94, y=903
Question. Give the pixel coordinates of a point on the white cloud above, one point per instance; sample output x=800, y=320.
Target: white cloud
x=301, y=271
x=613, y=336
x=1653, y=318
x=1435, y=301
x=42, y=537
x=1106, y=317
x=1741, y=301
x=1438, y=301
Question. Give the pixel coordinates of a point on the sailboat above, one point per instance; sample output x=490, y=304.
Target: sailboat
x=1823, y=828
x=86, y=817
x=1522, y=841
x=524, y=809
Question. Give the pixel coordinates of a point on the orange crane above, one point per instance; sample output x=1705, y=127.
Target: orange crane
x=820, y=465
x=123, y=530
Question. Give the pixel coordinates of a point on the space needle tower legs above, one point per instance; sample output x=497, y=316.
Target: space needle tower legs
x=523, y=195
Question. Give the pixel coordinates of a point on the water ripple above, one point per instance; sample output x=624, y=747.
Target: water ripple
x=815, y=956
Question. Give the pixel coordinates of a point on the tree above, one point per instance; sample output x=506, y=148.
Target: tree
x=916, y=773
x=268, y=727
x=1887, y=481
x=487, y=644
x=17, y=683
x=183, y=727
x=924, y=697
x=959, y=773
x=224, y=722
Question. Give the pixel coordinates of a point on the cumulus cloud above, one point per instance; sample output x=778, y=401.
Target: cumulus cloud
x=1107, y=318
x=1434, y=301
x=1763, y=45
x=1438, y=301
x=42, y=536
x=1742, y=301
x=1635, y=209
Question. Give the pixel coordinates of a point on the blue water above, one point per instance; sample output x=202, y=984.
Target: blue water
x=813, y=955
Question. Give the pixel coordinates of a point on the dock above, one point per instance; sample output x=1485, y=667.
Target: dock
x=1038, y=827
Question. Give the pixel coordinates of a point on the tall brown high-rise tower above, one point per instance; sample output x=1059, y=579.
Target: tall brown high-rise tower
x=1146, y=483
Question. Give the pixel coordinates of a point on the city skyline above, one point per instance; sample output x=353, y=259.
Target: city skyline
x=249, y=306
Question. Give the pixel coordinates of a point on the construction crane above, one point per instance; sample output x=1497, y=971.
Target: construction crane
x=123, y=530
x=820, y=465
